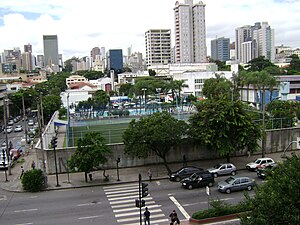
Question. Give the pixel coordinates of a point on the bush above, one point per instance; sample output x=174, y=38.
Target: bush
x=33, y=180
x=220, y=208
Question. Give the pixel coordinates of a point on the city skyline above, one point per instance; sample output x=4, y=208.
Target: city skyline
x=80, y=26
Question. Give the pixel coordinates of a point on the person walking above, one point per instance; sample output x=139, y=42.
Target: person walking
x=174, y=218
x=150, y=175
x=147, y=216
x=22, y=172
x=33, y=165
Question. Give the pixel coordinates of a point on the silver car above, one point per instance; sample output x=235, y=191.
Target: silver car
x=223, y=169
x=236, y=183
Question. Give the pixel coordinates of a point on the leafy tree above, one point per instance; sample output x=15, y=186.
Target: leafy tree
x=157, y=133
x=90, y=75
x=277, y=200
x=91, y=152
x=33, y=180
x=259, y=64
x=125, y=89
x=51, y=103
x=176, y=87
x=287, y=111
x=225, y=126
x=151, y=72
x=294, y=67
x=218, y=87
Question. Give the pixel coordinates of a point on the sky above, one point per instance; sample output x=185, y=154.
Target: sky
x=119, y=24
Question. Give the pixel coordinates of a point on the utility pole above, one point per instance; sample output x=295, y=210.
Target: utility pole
x=24, y=116
x=6, y=137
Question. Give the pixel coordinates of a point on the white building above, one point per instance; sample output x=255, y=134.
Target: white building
x=75, y=79
x=190, y=32
x=158, y=46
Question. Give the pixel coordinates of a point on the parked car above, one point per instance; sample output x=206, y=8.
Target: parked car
x=184, y=172
x=266, y=171
x=199, y=179
x=18, y=128
x=223, y=169
x=30, y=123
x=15, y=153
x=259, y=163
x=10, y=123
x=236, y=183
x=9, y=129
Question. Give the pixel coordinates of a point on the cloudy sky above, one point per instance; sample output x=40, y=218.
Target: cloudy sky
x=82, y=25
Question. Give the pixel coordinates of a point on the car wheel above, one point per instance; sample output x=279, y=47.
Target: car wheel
x=190, y=187
x=210, y=184
x=233, y=173
x=215, y=175
x=249, y=188
x=228, y=191
x=177, y=179
x=255, y=169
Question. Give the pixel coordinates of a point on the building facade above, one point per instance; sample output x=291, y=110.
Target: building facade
x=190, y=32
x=50, y=50
x=220, y=49
x=158, y=46
x=115, y=60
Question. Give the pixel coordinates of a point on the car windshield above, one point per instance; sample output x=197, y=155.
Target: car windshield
x=229, y=180
x=257, y=161
x=217, y=166
x=194, y=176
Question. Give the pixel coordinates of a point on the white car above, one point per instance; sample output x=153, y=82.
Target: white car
x=9, y=129
x=259, y=163
x=30, y=123
x=18, y=128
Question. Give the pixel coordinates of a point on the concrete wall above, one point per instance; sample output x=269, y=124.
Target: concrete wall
x=276, y=141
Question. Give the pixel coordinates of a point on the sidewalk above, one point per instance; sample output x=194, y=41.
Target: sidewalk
x=126, y=175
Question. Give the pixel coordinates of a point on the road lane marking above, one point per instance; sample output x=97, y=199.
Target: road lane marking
x=89, y=217
x=3, y=197
x=25, y=210
x=135, y=208
x=137, y=213
x=181, y=209
x=24, y=223
x=152, y=222
x=89, y=204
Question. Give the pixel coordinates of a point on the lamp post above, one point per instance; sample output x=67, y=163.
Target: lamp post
x=24, y=116
x=144, y=90
x=118, y=161
x=68, y=118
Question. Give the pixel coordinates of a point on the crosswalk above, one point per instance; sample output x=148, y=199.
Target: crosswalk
x=122, y=201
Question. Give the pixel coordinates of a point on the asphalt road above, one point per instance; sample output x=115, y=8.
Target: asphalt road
x=109, y=205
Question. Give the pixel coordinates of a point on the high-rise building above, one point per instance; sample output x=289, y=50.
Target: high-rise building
x=220, y=49
x=190, y=32
x=115, y=60
x=28, y=48
x=94, y=52
x=50, y=50
x=158, y=46
x=27, y=58
x=261, y=37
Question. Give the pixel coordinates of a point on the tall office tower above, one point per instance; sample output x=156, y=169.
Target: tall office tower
x=28, y=48
x=27, y=61
x=158, y=47
x=40, y=59
x=261, y=37
x=264, y=37
x=94, y=52
x=50, y=50
x=220, y=49
x=190, y=32
x=115, y=60
x=242, y=34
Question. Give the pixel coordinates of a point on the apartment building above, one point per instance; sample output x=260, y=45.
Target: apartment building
x=158, y=46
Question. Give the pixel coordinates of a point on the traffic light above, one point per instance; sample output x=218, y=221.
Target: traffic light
x=140, y=204
x=54, y=142
x=137, y=203
x=143, y=203
x=144, y=190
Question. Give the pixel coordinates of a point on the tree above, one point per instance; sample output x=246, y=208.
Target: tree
x=33, y=180
x=218, y=87
x=276, y=201
x=125, y=89
x=259, y=64
x=176, y=87
x=91, y=152
x=157, y=133
x=225, y=126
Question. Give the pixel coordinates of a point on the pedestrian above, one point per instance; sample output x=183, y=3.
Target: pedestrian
x=22, y=172
x=174, y=218
x=150, y=175
x=147, y=216
x=33, y=165
x=91, y=176
x=184, y=161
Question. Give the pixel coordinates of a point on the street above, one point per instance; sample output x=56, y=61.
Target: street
x=109, y=205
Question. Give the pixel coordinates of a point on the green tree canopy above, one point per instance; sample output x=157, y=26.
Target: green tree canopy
x=157, y=133
x=259, y=64
x=91, y=153
x=277, y=201
x=225, y=126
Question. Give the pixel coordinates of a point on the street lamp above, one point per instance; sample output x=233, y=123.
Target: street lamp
x=144, y=90
x=118, y=161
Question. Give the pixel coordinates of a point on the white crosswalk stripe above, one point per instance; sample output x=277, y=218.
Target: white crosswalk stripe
x=122, y=200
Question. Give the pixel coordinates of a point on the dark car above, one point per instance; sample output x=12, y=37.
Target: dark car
x=184, y=172
x=199, y=179
x=266, y=171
